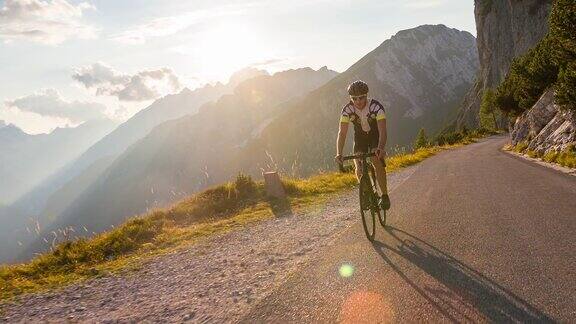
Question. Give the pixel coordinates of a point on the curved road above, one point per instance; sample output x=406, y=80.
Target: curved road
x=475, y=235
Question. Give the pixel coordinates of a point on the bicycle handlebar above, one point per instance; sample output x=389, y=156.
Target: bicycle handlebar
x=353, y=157
x=358, y=156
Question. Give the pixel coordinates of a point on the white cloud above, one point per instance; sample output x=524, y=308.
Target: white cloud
x=44, y=21
x=49, y=103
x=142, y=86
x=165, y=26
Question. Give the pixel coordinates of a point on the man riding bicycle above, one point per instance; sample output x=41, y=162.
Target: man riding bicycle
x=369, y=120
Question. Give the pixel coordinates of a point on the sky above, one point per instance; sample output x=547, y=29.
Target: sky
x=65, y=62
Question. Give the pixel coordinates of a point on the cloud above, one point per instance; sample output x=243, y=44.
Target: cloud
x=44, y=21
x=144, y=85
x=165, y=26
x=49, y=103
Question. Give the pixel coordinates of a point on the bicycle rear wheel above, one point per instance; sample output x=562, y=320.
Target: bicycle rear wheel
x=366, y=208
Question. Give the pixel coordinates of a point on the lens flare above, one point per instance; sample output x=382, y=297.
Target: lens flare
x=346, y=270
x=366, y=307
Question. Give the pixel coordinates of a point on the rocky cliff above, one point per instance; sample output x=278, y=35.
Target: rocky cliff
x=505, y=29
x=545, y=127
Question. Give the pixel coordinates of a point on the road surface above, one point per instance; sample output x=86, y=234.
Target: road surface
x=475, y=235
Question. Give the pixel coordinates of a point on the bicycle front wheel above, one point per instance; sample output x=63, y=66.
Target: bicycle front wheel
x=382, y=217
x=379, y=213
x=366, y=209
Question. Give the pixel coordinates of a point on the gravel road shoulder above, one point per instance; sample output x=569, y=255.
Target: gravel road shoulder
x=217, y=280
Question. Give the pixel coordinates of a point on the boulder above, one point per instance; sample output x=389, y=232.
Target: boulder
x=546, y=126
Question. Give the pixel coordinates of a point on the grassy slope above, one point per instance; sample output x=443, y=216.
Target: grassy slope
x=566, y=158
x=215, y=211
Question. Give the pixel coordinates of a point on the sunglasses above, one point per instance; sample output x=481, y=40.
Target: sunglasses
x=357, y=98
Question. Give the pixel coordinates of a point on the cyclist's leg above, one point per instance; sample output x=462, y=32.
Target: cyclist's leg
x=360, y=146
x=380, y=174
x=358, y=169
x=380, y=168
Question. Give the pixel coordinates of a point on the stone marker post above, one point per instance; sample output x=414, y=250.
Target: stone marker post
x=273, y=185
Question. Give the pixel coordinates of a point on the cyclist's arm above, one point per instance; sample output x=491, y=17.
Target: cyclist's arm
x=383, y=135
x=342, y=132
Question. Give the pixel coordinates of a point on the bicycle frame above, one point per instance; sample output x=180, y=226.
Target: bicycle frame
x=369, y=199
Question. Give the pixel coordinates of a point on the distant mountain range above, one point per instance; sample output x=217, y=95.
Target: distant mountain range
x=45, y=201
x=171, y=161
x=26, y=160
x=286, y=121
x=100, y=155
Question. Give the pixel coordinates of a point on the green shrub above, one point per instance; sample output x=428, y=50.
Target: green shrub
x=520, y=147
x=421, y=140
x=551, y=63
x=550, y=156
x=566, y=87
x=567, y=158
x=245, y=186
x=532, y=154
x=450, y=138
x=488, y=110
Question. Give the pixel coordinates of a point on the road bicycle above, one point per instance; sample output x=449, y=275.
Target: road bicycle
x=368, y=193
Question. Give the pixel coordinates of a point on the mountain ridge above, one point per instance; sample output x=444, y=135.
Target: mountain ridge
x=246, y=92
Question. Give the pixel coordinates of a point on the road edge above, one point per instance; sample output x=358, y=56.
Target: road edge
x=554, y=166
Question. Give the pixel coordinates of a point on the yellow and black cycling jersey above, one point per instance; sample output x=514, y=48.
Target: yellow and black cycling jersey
x=365, y=123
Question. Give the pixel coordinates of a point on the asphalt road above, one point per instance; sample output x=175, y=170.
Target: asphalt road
x=475, y=235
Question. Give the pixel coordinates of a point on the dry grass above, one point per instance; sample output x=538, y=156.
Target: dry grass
x=566, y=158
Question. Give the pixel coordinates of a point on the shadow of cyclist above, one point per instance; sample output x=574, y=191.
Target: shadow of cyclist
x=463, y=288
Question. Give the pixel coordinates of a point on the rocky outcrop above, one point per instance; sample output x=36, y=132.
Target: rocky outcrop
x=546, y=126
x=505, y=30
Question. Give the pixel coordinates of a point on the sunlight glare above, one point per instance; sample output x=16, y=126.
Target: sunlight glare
x=227, y=48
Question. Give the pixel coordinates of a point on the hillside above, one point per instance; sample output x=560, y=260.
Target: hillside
x=101, y=154
x=170, y=162
x=44, y=202
x=27, y=160
x=420, y=75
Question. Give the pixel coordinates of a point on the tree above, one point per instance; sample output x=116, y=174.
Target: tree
x=562, y=26
x=551, y=63
x=421, y=139
x=566, y=87
x=487, y=110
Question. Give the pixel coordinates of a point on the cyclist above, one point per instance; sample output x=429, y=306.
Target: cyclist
x=369, y=120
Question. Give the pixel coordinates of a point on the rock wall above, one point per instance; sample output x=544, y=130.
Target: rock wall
x=546, y=126
x=505, y=30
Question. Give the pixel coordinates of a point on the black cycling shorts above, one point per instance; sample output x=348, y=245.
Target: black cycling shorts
x=363, y=143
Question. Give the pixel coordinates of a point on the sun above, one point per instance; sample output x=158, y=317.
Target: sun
x=226, y=48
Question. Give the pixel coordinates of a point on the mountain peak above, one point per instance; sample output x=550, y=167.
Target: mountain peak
x=245, y=74
x=11, y=130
